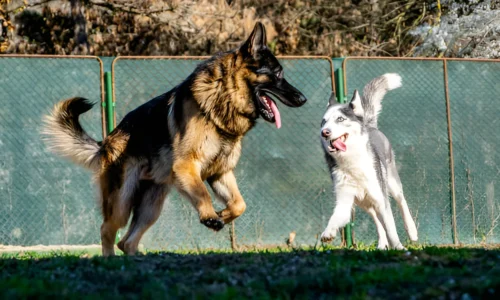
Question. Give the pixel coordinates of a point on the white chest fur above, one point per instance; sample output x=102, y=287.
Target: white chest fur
x=355, y=170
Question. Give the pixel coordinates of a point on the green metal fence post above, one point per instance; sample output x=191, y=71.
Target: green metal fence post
x=109, y=104
x=339, y=88
x=339, y=84
x=109, y=108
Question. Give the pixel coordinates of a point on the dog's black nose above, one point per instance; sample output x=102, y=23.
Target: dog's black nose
x=302, y=99
x=325, y=133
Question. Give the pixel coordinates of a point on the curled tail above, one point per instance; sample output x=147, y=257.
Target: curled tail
x=66, y=137
x=373, y=93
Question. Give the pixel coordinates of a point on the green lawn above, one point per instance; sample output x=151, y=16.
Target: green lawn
x=464, y=273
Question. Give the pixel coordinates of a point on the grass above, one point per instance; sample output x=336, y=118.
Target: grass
x=424, y=272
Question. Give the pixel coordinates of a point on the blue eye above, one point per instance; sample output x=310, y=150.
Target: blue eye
x=341, y=119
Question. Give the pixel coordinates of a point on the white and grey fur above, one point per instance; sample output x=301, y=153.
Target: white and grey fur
x=365, y=174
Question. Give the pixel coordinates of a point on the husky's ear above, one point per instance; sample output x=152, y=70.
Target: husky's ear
x=332, y=100
x=356, y=104
x=256, y=41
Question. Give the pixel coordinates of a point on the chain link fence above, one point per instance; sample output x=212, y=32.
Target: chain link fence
x=281, y=173
x=44, y=200
x=415, y=119
x=475, y=110
x=136, y=81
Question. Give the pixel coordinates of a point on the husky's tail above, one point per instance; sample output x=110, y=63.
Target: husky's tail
x=66, y=137
x=374, y=92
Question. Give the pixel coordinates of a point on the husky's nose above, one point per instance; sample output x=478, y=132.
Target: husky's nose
x=325, y=133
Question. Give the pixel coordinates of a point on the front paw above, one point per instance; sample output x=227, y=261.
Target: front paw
x=383, y=246
x=400, y=247
x=413, y=235
x=328, y=235
x=213, y=223
x=224, y=215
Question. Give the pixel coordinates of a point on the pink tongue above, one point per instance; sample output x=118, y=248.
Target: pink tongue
x=339, y=145
x=276, y=113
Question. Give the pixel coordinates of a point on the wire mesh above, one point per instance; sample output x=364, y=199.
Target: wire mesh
x=415, y=121
x=474, y=94
x=44, y=199
x=281, y=173
x=135, y=82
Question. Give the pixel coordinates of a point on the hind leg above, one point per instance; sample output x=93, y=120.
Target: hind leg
x=146, y=213
x=109, y=228
x=341, y=213
x=383, y=244
x=396, y=191
x=116, y=208
x=138, y=196
x=382, y=207
x=226, y=190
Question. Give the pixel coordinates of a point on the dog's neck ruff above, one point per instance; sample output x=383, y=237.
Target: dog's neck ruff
x=220, y=130
x=223, y=108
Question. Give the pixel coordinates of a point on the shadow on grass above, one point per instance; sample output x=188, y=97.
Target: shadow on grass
x=420, y=273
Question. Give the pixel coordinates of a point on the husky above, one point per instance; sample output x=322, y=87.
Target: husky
x=361, y=162
x=182, y=138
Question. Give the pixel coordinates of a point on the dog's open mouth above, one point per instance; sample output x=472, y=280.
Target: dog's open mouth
x=269, y=111
x=338, y=143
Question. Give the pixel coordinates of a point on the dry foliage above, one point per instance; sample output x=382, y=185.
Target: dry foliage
x=174, y=27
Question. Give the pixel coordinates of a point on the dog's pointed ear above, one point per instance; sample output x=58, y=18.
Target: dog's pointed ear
x=356, y=104
x=332, y=100
x=256, y=41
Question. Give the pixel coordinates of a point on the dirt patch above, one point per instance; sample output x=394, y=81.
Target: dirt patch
x=43, y=248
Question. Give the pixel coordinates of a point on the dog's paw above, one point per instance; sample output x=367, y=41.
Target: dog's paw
x=224, y=215
x=121, y=245
x=328, y=235
x=413, y=236
x=383, y=246
x=213, y=223
x=400, y=247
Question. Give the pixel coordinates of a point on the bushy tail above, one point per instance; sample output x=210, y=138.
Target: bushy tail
x=65, y=136
x=374, y=92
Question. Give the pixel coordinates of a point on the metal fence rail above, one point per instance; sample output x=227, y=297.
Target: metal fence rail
x=440, y=125
x=44, y=200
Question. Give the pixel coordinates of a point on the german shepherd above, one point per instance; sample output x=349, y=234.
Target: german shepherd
x=181, y=138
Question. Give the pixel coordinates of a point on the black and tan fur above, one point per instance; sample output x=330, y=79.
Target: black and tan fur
x=188, y=135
